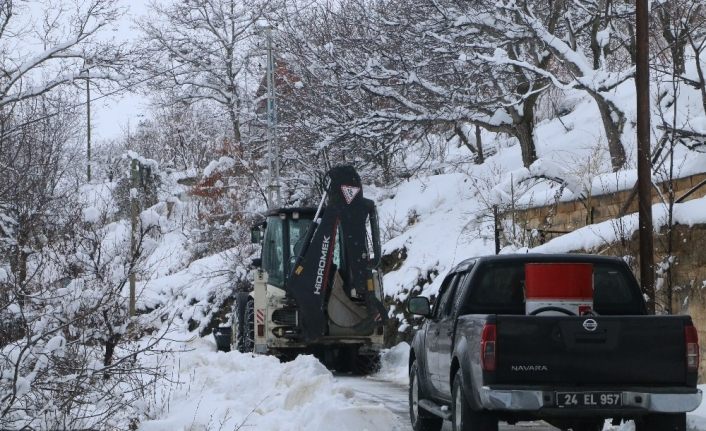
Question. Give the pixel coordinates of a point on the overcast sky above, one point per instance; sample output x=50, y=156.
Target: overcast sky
x=110, y=116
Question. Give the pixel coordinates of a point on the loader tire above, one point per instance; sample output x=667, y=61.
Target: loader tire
x=366, y=364
x=243, y=320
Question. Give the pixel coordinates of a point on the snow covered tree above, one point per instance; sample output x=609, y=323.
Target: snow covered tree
x=71, y=360
x=324, y=109
x=45, y=46
x=681, y=56
x=404, y=69
x=206, y=50
x=585, y=45
x=35, y=159
x=678, y=21
x=179, y=136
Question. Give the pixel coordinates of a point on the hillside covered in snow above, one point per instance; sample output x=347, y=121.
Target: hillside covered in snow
x=119, y=258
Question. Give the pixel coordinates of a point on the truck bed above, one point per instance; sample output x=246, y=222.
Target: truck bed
x=620, y=351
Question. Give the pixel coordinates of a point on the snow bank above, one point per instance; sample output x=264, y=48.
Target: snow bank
x=194, y=292
x=96, y=200
x=394, y=364
x=427, y=218
x=217, y=390
x=91, y=215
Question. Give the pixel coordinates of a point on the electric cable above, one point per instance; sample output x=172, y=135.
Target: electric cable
x=18, y=127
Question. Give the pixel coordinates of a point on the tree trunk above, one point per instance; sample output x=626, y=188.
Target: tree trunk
x=700, y=73
x=524, y=132
x=523, y=129
x=676, y=42
x=613, y=122
x=480, y=158
x=478, y=151
x=235, y=124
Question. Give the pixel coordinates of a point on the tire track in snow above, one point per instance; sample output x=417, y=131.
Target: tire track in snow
x=394, y=397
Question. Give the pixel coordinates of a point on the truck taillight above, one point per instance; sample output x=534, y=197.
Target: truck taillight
x=488, y=347
x=691, y=338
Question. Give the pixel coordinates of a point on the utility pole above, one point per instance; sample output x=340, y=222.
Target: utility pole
x=134, y=211
x=644, y=165
x=88, y=124
x=496, y=229
x=273, y=186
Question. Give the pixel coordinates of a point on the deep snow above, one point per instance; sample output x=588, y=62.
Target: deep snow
x=225, y=391
x=210, y=390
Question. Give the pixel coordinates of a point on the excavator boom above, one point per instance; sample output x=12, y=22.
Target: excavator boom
x=339, y=227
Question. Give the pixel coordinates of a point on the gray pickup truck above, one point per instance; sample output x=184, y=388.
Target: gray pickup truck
x=479, y=358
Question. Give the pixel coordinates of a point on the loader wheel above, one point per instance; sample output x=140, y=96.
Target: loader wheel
x=243, y=333
x=366, y=364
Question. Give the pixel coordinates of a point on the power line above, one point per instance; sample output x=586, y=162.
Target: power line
x=78, y=105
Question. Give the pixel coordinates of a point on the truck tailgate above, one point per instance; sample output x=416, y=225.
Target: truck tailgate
x=620, y=350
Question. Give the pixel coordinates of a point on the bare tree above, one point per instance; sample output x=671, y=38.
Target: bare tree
x=180, y=136
x=68, y=47
x=677, y=21
x=585, y=47
x=206, y=50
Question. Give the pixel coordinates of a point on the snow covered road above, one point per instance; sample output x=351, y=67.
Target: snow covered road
x=209, y=390
x=393, y=396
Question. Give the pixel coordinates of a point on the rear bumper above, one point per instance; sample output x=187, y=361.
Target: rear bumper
x=638, y=401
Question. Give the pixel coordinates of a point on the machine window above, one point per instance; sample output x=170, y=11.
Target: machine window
x=272, y=259
x=297, y=232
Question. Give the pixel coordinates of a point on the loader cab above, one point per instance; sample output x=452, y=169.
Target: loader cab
x=283, y=226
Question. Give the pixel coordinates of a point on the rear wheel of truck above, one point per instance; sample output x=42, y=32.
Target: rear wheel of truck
x=243, y=321
x=421, y=419
x=662, y=422
x=464, y=418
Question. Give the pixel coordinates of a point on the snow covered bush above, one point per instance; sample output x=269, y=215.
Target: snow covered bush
x=72, y=357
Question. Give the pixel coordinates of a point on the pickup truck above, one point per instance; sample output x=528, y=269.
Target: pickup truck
x=479, y=358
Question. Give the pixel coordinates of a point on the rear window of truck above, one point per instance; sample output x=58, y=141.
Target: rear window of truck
x=499, y=289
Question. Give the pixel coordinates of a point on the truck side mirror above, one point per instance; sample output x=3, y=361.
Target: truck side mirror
x=255, y=235
x=256, y=263
x=419, y=305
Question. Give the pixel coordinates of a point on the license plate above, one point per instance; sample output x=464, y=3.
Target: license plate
x=588, y=399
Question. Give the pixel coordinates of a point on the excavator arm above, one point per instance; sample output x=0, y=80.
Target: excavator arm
x=342, y=219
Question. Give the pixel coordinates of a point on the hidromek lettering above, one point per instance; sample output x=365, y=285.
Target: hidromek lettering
x=322, y=266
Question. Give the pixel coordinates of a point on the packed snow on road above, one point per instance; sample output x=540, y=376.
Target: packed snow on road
x=210, y=390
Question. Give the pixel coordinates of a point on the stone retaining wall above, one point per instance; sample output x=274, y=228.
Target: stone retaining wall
x=567, y=216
